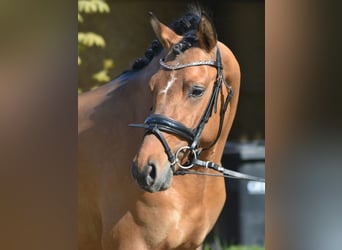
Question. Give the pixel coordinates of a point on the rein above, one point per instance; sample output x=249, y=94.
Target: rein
x=156, y=123
x=227, y=173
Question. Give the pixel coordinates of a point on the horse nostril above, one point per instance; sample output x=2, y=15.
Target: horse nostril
x=151, y=174
x=147, y=177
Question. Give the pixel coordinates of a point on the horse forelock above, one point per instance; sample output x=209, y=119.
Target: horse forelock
x=186, y=26
x=188, y=41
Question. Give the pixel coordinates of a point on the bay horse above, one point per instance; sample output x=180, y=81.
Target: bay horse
x=131, y=195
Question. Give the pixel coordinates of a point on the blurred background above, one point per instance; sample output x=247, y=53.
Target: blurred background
x=113, y=33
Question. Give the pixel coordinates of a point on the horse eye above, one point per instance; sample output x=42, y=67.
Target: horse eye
x=196, y=91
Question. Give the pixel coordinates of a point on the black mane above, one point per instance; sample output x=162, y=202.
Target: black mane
x=185, y=26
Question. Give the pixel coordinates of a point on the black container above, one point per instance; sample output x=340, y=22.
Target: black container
x=242, y=219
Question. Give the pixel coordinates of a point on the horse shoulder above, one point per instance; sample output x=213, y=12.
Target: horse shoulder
x=89, y=150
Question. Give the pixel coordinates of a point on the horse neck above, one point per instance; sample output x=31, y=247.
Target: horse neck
x=144, y=75
x=137, y=84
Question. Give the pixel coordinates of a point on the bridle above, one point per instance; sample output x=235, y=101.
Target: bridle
x=156, y=124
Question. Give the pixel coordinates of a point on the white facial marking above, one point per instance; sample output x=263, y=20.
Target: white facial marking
x=169, y=83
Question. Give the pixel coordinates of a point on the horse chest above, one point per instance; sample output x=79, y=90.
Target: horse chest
x=175, y=227
x=188, y=229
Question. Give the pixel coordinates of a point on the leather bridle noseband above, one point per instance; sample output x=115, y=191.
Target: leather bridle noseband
x=157, y=123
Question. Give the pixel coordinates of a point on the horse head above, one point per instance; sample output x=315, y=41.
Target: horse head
x=190, y=97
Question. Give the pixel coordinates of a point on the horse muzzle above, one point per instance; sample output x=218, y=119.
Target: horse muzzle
x=151, y=178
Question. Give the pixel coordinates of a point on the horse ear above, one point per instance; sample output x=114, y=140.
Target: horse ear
x=165, y=35
x=206, y=33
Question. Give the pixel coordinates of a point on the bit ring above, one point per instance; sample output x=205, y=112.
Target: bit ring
x=182, y=149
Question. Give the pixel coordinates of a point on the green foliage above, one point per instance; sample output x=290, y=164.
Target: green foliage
x=91, y=39
x=80, y=18
x=245, y=248
x=217, y=244
x=207, y=247
x=102, y=75
x=93, y=6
